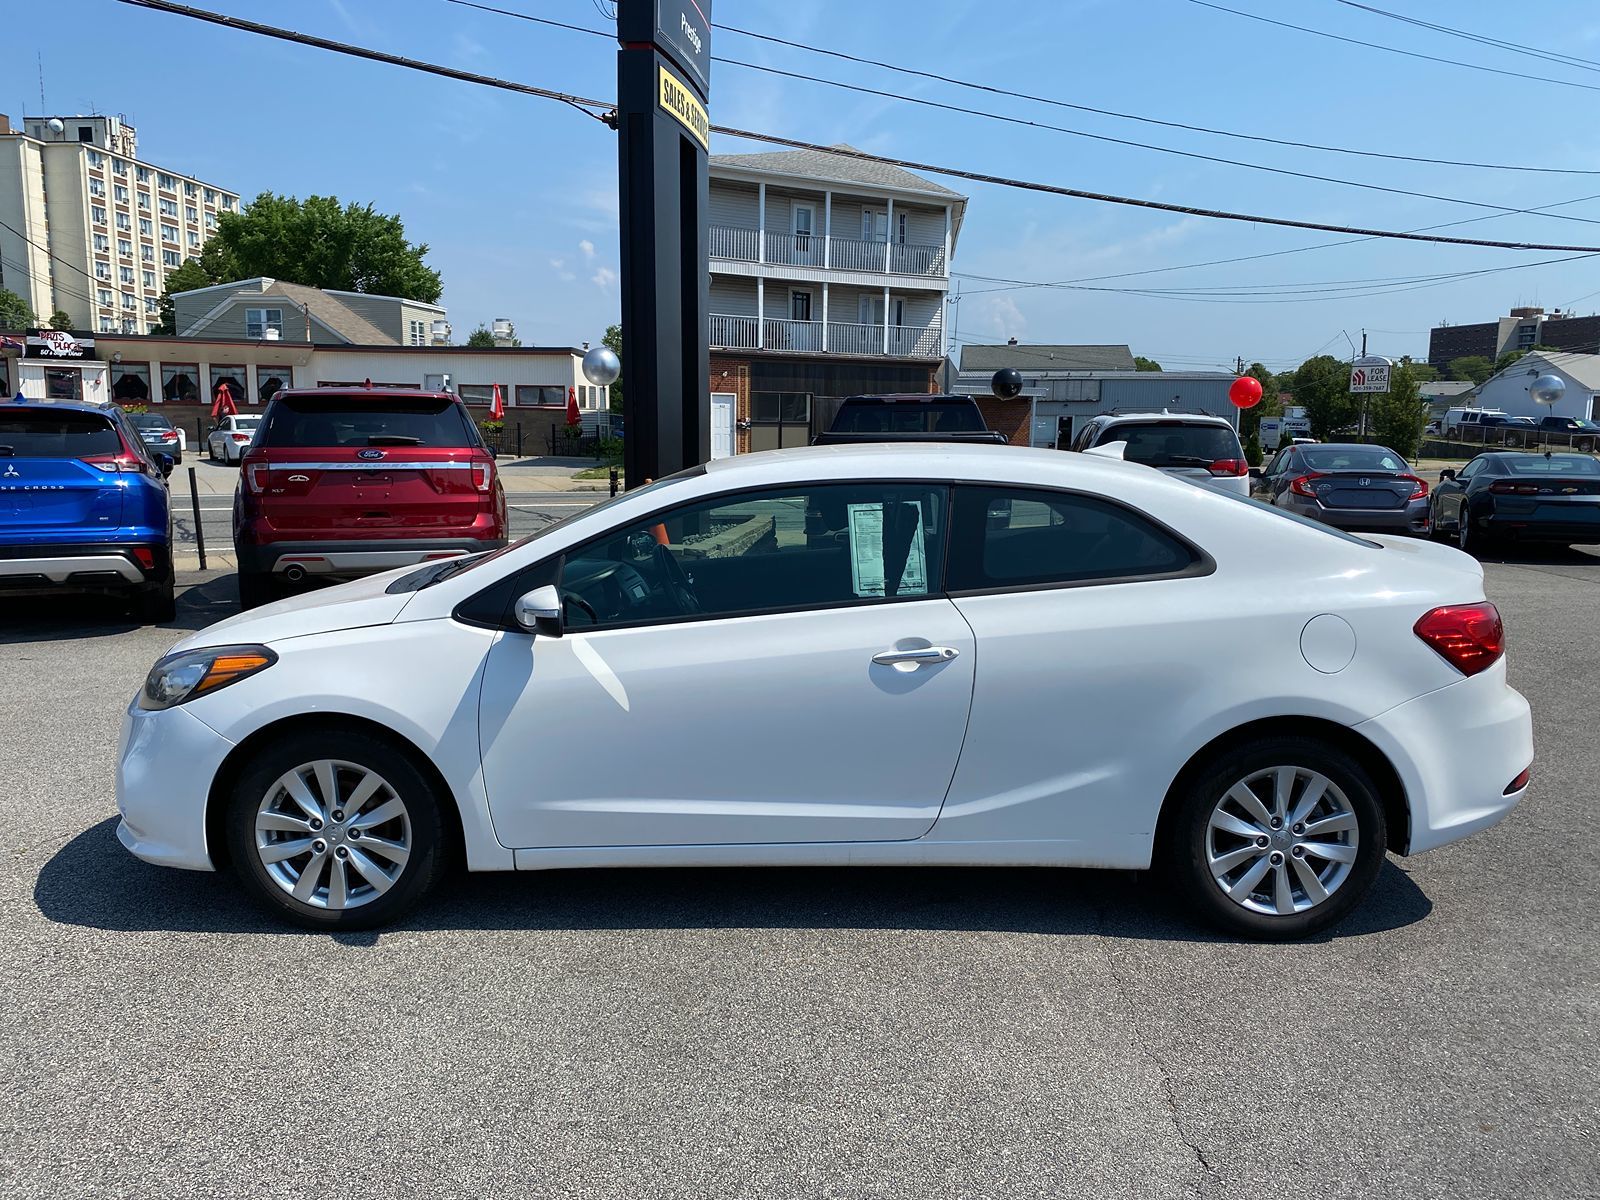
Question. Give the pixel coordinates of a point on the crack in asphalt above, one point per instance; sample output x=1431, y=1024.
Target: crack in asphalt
x=1213, y=1179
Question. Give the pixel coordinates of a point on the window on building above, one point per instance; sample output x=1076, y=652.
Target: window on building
x=190, y=190
x=96, y=188
x=194, y=239
x=124, y=221
x=191, y=213
x=180, y=383
x=130, y=383
x=211, y=195
x=211, y=220
x=126, y=274
x=169, y=258
x=166, y=182
x=129, y=302
x=169, y=208
x=169, y=233
x=152, y=304
x=102, y=243
x=125, y=247
x=1017, y=537
x=540, y=396
x=97, y=215
x=149, y=279
x=103, y=295
x=228, y=202
x=142, y=174
x=130, y=324
x=144, y=201
x=234, y=377
x=107, y=325
x=120, y=167
x=145, y=227
x=96, y=158
x=478, y=393
x=258, y=320
x=270, y=380
x=102, y=270
x=120, y=194
x=86, y=134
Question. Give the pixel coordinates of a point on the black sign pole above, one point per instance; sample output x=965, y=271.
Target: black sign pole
x=663, y=83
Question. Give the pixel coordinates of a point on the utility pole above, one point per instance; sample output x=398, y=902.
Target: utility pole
x=1239, y=369
x=1363, y=343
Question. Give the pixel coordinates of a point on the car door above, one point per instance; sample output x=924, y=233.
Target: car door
x=1093, y=624
x=1450, y=495
x=774, y=666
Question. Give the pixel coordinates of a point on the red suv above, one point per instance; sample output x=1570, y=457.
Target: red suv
x=342, y=482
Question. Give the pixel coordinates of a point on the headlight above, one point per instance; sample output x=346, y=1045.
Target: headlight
x=180, y=677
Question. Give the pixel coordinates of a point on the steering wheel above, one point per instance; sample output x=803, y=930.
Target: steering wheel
x=677, y=582
x=578, y=601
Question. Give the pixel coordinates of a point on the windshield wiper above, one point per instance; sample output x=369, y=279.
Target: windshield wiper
x=1189, y=460
x=449, y=567
x=392, y=439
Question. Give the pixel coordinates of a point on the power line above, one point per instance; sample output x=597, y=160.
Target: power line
x=1555, y=56
x=1518, y=75
x=584, y=104
x=1000, y=91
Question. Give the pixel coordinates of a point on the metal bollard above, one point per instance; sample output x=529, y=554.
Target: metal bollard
x=613, y=481
x=194, y=503
x=519, y=439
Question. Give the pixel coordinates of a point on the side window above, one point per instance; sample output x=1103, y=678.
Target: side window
x=1086, y=436
x=809, y=546
x=1014, y=537
x=1471, y=469
x=1279, y=461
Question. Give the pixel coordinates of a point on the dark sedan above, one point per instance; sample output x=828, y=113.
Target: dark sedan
x=1505, y=496
x=1350, y=486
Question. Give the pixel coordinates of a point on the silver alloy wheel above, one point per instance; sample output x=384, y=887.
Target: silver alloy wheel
x=1282, y=840
x=333, y=834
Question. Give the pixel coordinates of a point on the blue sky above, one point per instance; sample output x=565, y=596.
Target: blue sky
x=516, y=197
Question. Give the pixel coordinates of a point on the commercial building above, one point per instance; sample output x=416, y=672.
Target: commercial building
x=1521, y=329
x=1508, y=391
x=828, y=279
x=89, y=228
x=1064, y=386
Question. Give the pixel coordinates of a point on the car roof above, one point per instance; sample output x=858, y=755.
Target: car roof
x=1195, y=418
x=105, y=410
x=366, y=393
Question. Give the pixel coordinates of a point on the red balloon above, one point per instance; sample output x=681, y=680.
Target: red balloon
x=1245, y=392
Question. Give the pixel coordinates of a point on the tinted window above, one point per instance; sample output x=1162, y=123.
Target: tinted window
x=1173, y=443
x=1008, y=537
x=149, y=421
x=1556, y=464
x=812, y=546
x=1352, y=458
x=64, y=434
x=909, y=416
x=381, y=421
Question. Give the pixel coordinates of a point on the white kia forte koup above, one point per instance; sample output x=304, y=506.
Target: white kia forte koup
x=865, y=655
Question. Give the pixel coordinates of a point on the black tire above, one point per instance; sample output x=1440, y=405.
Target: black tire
x=1470, y=540
x=1187, y=832
x=359, y=751
x=256, y=588
x=156, y=603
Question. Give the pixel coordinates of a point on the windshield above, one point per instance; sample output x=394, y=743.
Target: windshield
x=910, y=416
x=1174, y=443
x=1352, y=458
x=149, y=421
x=355, y=421
x=56, y=434
x=1555, y=464
x=246, y=422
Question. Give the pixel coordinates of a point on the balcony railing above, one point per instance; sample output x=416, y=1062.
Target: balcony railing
x=730, y=332
x=735, y=244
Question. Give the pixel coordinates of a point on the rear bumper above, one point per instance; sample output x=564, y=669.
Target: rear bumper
x=350, y=559
x=87, y=566
x=1413, y=518
x=1541, y=529
x=1456, y=751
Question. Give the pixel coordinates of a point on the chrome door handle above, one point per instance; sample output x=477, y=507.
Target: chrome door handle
x=929, y=654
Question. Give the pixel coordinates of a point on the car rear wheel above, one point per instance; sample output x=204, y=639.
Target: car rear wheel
x=1278, y=838
x=256, y=588
x=156, y=604
x=1469, y=540
x=335, y=830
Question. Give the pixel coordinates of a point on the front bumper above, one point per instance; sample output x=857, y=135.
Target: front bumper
x=166, y=761
x=355, y=557
x=1456, y=750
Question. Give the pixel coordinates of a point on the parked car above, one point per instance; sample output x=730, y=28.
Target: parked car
x=1356, y=487
x=1455, y=418
x=1203, y=449
x=160, y=434
x=84, y=506
x=343, y=482
x=1507, y=431
x=1505, y=496
x=1573, y=431
x=873, y=655
x=230, y=437
x=911, y=417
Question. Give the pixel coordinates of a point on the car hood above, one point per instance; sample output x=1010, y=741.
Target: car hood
x=326, y=610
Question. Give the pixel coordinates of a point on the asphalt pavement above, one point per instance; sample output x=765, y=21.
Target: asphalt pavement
x=775, y=1033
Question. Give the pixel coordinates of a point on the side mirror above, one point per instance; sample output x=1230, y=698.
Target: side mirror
x=539, y=611
x=166, y=463
x=1447, y=473
x=1255, y=474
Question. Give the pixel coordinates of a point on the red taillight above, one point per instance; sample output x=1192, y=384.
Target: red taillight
x=145, y=556
x=1302, y=486
x=256, y=476
x=1469, y=637
x=1229, y=466
x=1520, y=782
x=116, y=462
x=1506, y=488
x=169, y=435
x=1419, y=488
x=240, y=438
x=482, y=474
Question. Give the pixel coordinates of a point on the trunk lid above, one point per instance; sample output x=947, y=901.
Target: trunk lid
x=1369, y=490
x=45, y=483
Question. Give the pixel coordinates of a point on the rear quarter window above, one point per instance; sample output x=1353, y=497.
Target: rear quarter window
x=329, y=421
x=60, y=434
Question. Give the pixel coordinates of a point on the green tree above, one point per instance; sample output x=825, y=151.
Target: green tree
x=1473, y=367
x=481, y=339
x=1141, y=363
x=1252, y=447
x=613, y=339
x=320, y=243
x=1322, y=387
x=60, y=320
x=1422, y=372
x=185, y=278
x=1398, y=416
x=14, y=311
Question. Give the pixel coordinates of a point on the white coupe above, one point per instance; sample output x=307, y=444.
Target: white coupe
x=866, y=655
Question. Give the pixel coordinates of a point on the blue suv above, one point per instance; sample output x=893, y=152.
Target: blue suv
x=83, y=506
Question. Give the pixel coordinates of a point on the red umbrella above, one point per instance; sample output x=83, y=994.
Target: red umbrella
x=572, y=407
x=222, y=404
x=497, y=406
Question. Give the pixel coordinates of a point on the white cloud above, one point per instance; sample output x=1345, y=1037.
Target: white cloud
x=588, y=249
x=559, y=266
x=1000, y=317
x=604, y=277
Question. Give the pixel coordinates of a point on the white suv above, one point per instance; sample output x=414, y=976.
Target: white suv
x=1195, y=447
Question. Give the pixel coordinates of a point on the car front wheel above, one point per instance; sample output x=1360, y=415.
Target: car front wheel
x=1278, y=838
x=335, y=829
